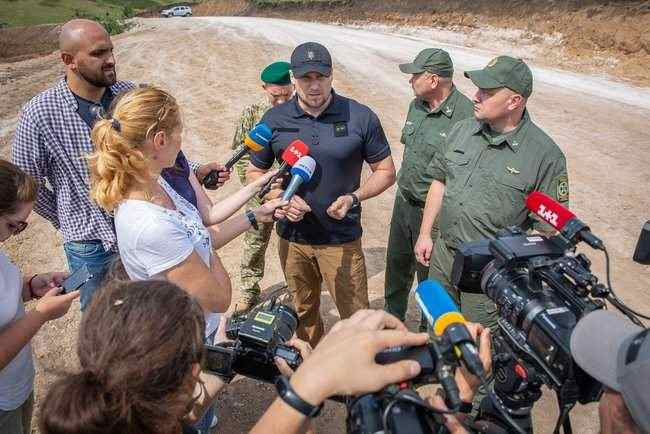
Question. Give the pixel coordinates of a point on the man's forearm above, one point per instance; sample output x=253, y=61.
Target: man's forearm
x=280, y=418
x=432, y=207
x=382, y=177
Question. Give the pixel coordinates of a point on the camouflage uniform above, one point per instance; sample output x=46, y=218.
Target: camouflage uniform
x=255, y=241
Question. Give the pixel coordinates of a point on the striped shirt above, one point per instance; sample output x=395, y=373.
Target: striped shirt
x=51, y=144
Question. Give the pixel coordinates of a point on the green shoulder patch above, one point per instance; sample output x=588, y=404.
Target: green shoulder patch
x=562, y=188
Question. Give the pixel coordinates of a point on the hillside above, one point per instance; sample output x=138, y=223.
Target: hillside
x=31, y=12
x=595, y=36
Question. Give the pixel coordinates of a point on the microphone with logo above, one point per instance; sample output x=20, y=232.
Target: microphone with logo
x=443, y=315
x=257, y=139
x=569, y=226
x=296, y=150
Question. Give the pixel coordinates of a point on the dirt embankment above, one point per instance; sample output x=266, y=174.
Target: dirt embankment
x=595, y=36
x=20, y=43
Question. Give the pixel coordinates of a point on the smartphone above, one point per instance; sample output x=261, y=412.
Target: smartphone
x=76, y=280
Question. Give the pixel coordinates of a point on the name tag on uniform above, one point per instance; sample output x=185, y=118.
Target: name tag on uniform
x=288, y=130
x=340, y=129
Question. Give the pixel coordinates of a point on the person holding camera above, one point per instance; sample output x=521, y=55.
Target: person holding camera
x=18, y=192
x=344, y=363
x=140, y=351
x=489, y=165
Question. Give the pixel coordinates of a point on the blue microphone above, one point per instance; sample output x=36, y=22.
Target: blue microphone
x=301, y=172
x=446, y=320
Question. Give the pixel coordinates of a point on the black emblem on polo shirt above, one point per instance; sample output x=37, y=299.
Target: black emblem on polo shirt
x=340, y=129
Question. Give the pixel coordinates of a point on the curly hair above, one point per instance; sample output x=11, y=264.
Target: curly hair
x=118, y=163
x=138, y=343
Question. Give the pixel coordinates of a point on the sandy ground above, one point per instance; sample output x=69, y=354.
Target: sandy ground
x=212, y=64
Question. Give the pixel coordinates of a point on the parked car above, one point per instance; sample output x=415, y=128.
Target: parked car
x=177, y=11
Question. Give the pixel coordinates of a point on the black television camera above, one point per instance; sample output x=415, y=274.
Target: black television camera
x=257, y=338
x=541, y=291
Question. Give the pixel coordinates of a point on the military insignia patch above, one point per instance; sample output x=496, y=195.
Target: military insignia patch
x=562, y=188
x=512, y=170
x=310, y=55
x=340, y=129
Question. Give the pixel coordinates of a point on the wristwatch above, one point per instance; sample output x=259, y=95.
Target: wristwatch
x=355, y=200
x=250, y=215
x=288, y=395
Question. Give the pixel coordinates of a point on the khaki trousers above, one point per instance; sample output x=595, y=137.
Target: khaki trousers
x=341, y=266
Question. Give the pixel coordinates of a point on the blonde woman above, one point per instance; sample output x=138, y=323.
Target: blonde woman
x=159, y=233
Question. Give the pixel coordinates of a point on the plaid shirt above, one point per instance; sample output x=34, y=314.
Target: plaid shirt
x=51, y=144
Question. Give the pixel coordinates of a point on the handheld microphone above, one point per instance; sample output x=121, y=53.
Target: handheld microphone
x=301, y=172
x=257, y=139
x=296, y=150
x=443, y=315
x=571, y=228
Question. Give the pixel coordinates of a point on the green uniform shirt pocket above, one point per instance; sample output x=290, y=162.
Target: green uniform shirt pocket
x=456, y=170
x=503, y=201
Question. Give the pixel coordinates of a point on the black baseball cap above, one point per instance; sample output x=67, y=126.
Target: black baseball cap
x=310, y=57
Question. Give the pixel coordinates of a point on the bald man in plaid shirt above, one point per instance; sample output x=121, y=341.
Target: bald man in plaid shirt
x=53, y=138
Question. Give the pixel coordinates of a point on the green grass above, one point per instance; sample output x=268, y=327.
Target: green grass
x=29, y=12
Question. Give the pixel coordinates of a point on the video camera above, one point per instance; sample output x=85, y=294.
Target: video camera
x=257, y=337
x=540, y=293
x=541, y=289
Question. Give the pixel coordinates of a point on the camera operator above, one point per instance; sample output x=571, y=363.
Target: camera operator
x=128, y=382
x=615, y=352
x=344, y=364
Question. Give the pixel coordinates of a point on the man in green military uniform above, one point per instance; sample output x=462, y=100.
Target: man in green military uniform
x=437, y=106
x=277, y=90
x=490, y=164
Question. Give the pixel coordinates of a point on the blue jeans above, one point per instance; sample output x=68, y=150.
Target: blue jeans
x=203, y=425
x=92, y=254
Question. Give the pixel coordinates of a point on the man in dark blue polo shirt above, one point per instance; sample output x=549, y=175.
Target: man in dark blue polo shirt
x=320, y=229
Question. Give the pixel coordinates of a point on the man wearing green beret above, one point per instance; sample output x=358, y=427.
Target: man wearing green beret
x=276, y=83
x=491, y=162
x=437, y=106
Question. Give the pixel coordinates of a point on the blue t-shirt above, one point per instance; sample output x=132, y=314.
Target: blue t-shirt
x=345, y=135
x=179, y=178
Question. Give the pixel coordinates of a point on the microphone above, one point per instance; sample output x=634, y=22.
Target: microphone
x=301, y=172
x=558, y=216
x=296, y=150
x=443, y=315
x=257, y=139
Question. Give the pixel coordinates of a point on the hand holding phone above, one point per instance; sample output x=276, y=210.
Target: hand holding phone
x=54, y=303
x=77, y=279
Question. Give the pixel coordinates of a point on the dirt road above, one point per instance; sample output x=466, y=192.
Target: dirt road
x=212, y=66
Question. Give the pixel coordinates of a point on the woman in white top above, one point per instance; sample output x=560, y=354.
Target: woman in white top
x=17, y=327
x=159, y=233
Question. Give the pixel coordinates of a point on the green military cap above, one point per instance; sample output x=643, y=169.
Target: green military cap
x=276, y=73
x=504, y=71
x=433, y=60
